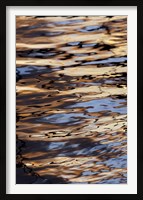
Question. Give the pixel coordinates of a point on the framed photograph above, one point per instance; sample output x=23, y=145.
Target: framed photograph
x=69, y=99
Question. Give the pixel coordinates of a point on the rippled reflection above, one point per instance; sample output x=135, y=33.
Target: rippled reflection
x=71, y=99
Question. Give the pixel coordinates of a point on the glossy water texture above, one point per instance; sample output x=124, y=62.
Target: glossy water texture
x=71, y=100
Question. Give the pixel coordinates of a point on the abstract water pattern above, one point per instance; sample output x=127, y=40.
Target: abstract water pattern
x=71, y=99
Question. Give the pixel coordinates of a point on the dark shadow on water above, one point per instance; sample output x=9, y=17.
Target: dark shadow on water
x=24, y=178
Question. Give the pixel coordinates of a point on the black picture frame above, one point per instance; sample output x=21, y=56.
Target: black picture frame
x=3, y=124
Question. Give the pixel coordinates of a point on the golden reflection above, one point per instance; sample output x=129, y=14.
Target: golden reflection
x=71, y=99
